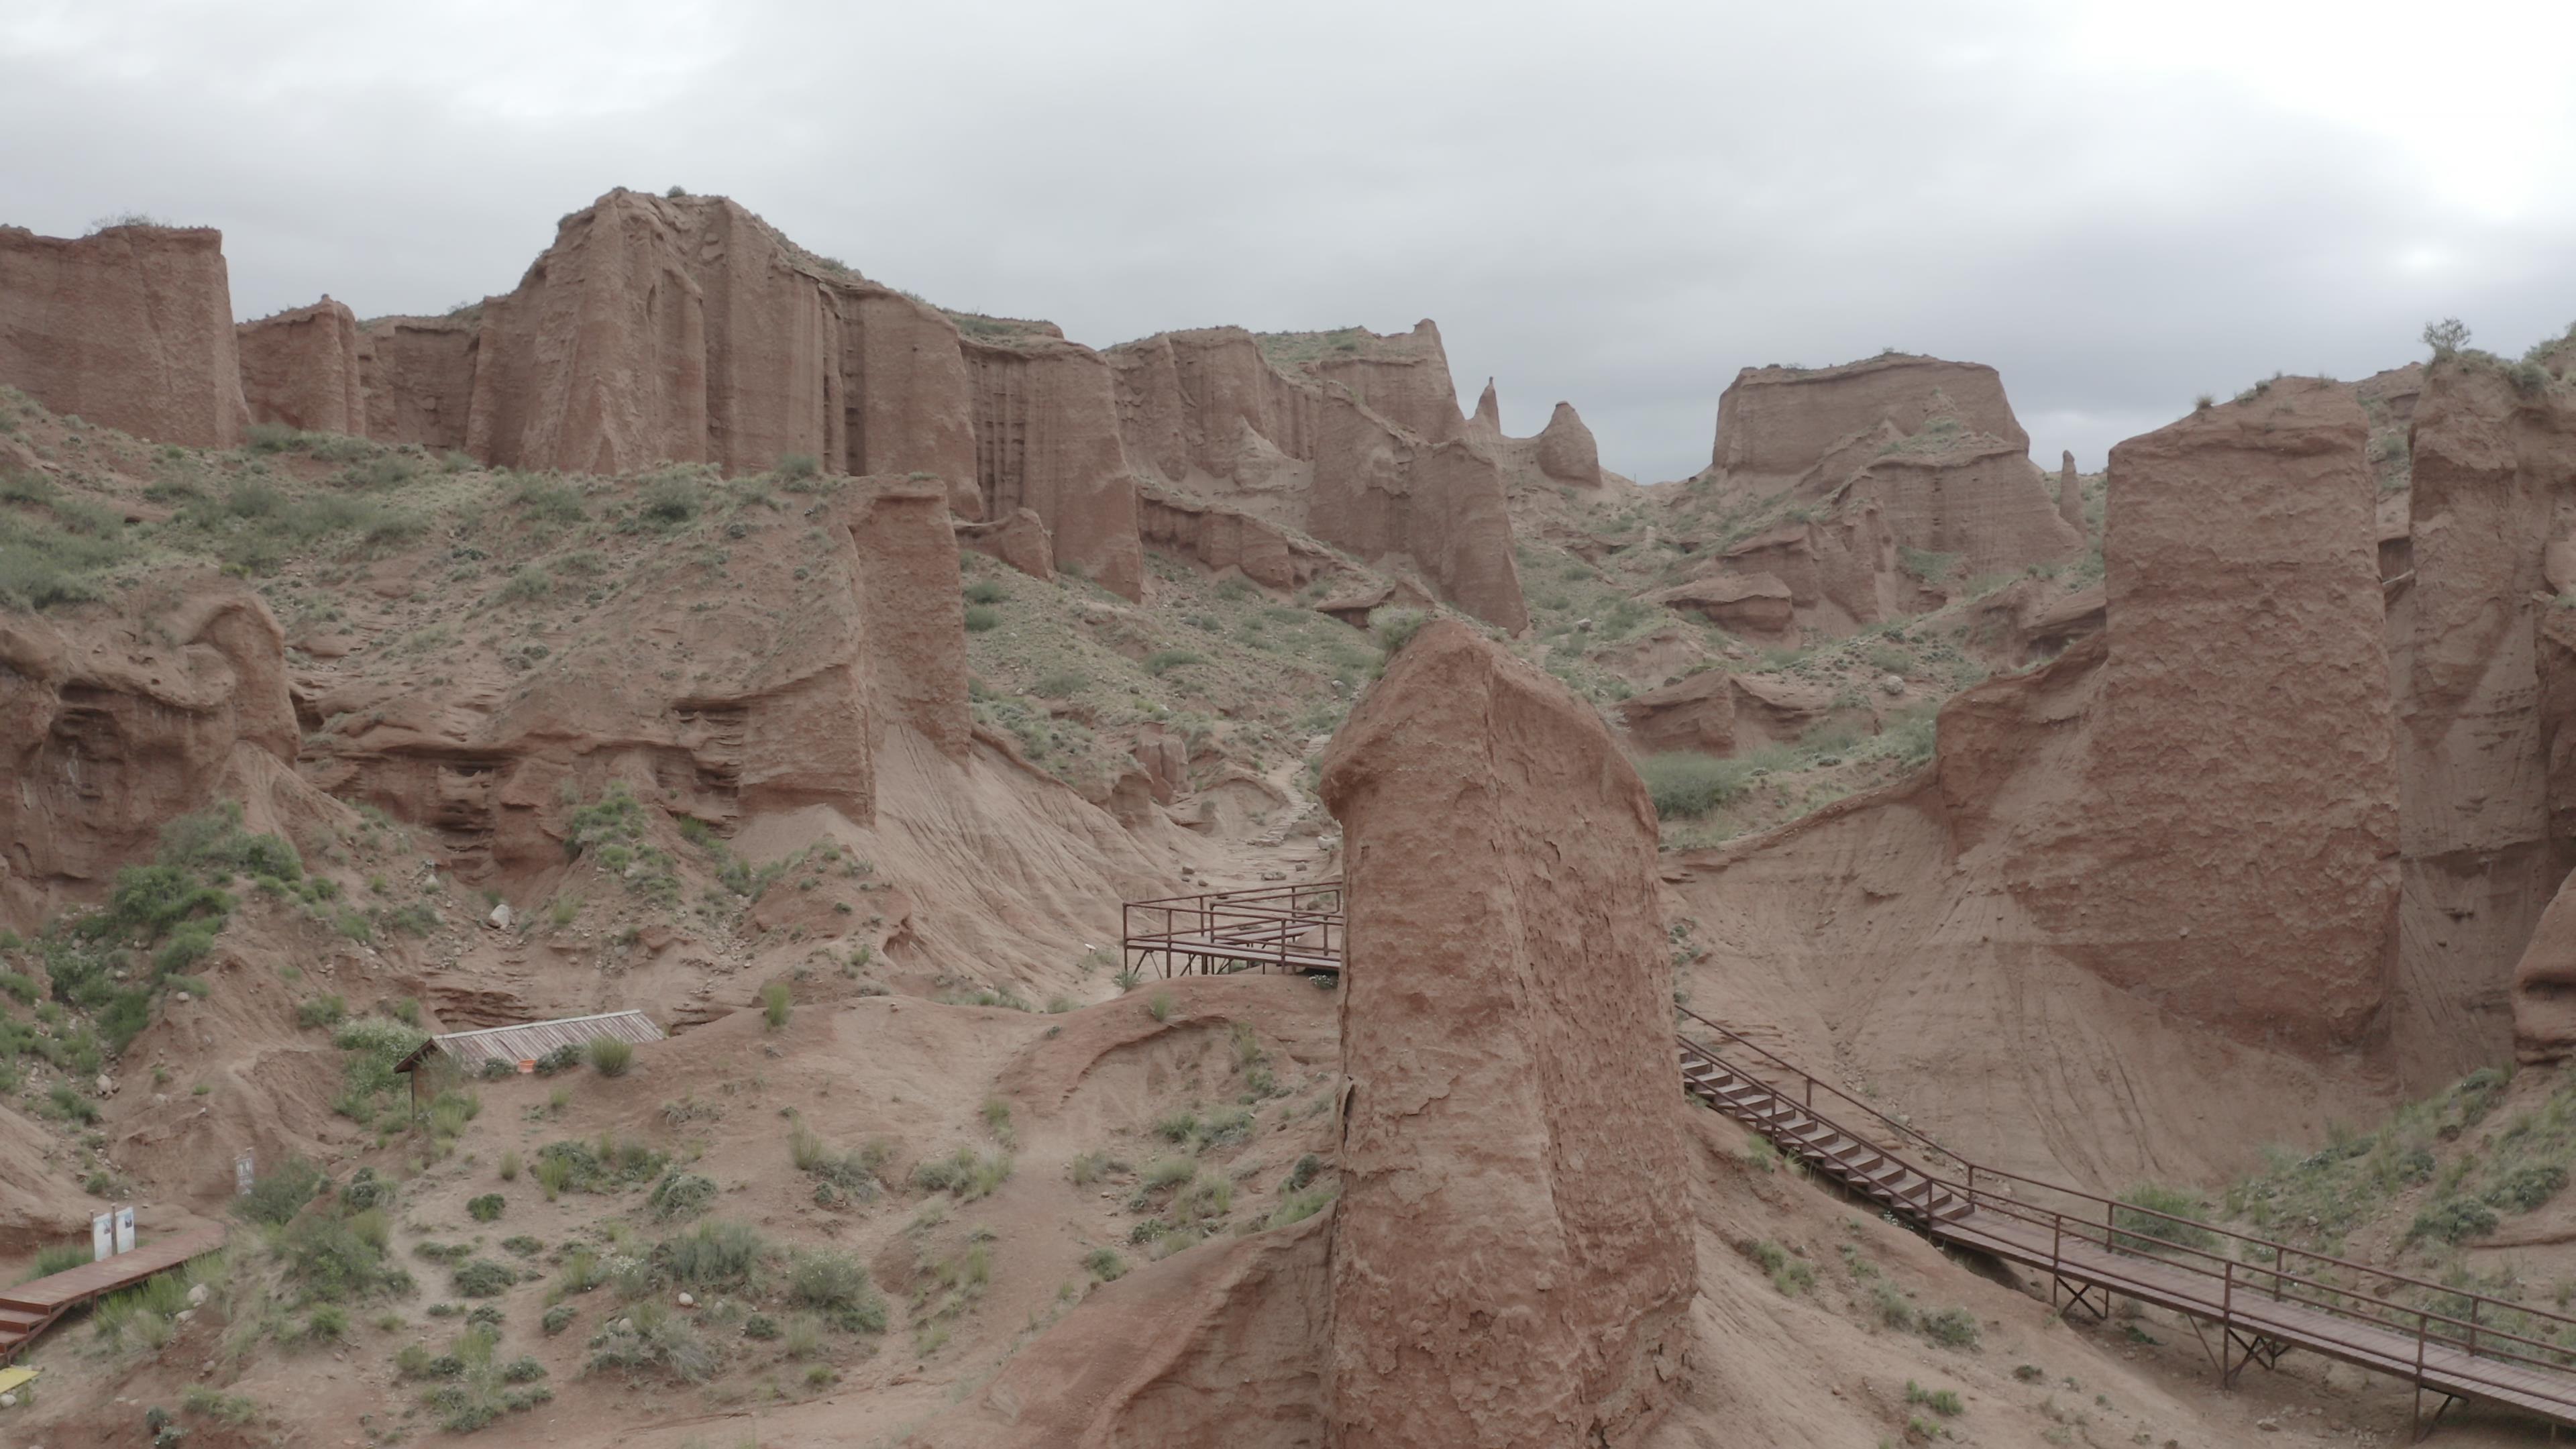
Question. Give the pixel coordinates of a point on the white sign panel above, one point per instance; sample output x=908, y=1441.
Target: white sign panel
x=242, y=1174
x=102, y=1237
x=125, y=1230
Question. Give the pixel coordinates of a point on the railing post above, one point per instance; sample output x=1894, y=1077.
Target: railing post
x=2473, y=1325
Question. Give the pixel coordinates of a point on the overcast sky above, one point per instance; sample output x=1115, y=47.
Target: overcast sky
x=2119, y=205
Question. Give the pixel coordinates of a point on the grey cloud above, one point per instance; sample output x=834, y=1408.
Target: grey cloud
x=1618, y=206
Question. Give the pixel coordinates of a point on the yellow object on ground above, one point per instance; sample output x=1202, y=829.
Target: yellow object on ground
x=11, y=1379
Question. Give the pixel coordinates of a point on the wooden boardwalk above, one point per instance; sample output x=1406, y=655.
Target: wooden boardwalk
x=29, y=1308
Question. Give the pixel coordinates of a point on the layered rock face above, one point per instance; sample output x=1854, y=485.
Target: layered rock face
x=1566, y=450
x=1776, y=423
x=116, y=724
x=1363, y=449
x=762, y=719
x=306, y=368
x=2149, y=860
x=1510, y=1264
x=1046, y=439
x=1971, y=496
x=2486, y=713
x=2249, y=793
x=131, y=327
x=1224, y=538
x=417, y=374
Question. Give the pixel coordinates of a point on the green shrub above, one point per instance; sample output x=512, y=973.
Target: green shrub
x=1393, y=628
x=1164, y=661
x=673, y=499
x=610, y=1056
x=483, y=1278
x=281, y=1192
x=967, y=1173
x=2526, y=1188
x=836, y=1284
x=984, y=591
x=713, y=1255
x=979, y=619
x=760, y=1326
x=2143, y=1229
x=486, y=1208
x=606, y=1166
x=233, y=1409
x=1684, y=786
x=1951, y=1328
x=681, y=1195
x=1104, y=1265
x=2455, y=1220
x=777, y=1002
x=321, y=1011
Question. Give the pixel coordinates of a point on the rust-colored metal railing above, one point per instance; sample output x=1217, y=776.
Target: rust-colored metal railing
x=1293, y=927
x=2265, y=1297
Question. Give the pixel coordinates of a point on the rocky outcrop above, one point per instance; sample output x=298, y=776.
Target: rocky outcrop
x=1509, y=1263
x=1403, y=378
x=1754, y=604
x=130, y=327
x=1566, y=451
x=1489, y=411
x=2485, y=732
x=305, y=369
x=114, y=723
x=1840, y=568
x=2260, y=778
x=686, y=329
x=417, y=376
x=1046, y=439
x=2070, y=496
x=1696, y=713
x=1229, y=538
x=1775, y=424
x=2544, y=986
x=1381, y=491
x=1970, y=496
x=1019, y=540
x=1313, y=447
x=762, y=718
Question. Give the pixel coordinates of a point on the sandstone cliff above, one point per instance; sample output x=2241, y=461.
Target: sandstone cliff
x=1776, y=423
x=1352, y=438
x=417, y=375
x=306, y=369
x=130, y=327
x=1046, y=439
x=2143, y=862
x=1509, y=1263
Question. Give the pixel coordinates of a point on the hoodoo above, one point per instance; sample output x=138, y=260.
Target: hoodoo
x=1507, y=1268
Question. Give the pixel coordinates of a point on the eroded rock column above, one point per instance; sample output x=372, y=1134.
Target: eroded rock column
x=1511, y=1258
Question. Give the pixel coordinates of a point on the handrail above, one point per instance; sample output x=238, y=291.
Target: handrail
x=2134, y=1238
x=1257, y=926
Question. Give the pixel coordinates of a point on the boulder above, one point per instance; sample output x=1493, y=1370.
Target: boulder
x=1019, y=540
x=1509, y=1263
x=130, y=327
x=1694, y=713
x=304, y=368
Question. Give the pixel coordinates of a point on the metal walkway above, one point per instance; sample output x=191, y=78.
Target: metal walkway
x=2249, y=1300
x=29, y=1308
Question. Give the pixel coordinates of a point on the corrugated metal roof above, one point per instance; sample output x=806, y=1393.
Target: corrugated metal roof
x=530, y=1040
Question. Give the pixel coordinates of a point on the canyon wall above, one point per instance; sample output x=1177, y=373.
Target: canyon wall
x=1046, y=439
x=1509, y=1263
x=1776, y=423
x=130, y=327
x=306, y=368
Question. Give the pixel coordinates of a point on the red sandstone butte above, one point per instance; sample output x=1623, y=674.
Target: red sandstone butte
x=1510, y=1267
x=130, y=327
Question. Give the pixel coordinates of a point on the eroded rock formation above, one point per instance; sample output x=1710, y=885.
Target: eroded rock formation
x=118, y=722
x=2070, y=495
x=130, y=327
x=762, y=719
x=1361, y=448
x=1509, y=1264
x=306, y=368
x=2484, y=711
x=1566, y=451
x=1046, y=439
x=418, y=378
x=1774, y=424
